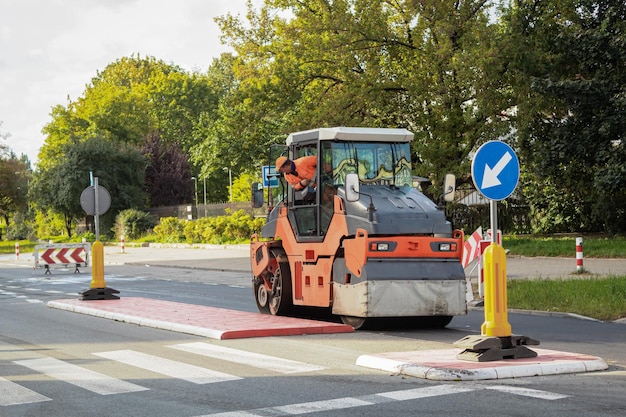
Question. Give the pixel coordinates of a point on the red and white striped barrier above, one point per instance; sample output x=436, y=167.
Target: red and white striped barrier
x=470, y=247
x=62, y=254
x=579, y=254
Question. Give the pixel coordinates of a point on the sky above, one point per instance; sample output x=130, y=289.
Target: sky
x=51, y=49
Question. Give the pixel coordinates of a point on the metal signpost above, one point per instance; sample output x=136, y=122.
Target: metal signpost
x=96, y=200
x=495, y=172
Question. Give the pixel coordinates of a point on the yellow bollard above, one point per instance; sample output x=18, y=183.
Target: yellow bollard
x=496, y=309
x=97, y=265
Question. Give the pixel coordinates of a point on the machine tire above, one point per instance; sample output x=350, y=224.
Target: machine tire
x=433, y=322
x=273, y=294
x=356, y=322
x=260, y=295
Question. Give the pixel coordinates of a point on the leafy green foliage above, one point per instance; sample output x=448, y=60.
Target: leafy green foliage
x=19, y=229
x=569, y=57
x=168, y=178
x=234, y=228
x=15, y=177
x=132, y=223
x=48, y=223
x=242, y=186
x=170, y=230
x=118, y=168
x=431, y=66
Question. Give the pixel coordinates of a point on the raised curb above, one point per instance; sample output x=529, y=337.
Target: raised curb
x=442, y=365
x=211, y=322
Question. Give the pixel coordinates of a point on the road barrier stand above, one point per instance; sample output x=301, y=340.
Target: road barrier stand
x=579, y=255
x=61, y=255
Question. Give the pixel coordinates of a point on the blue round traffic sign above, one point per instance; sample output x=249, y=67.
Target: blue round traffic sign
x=495, y=170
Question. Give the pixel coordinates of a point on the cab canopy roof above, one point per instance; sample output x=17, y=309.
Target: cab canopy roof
x=352, y=134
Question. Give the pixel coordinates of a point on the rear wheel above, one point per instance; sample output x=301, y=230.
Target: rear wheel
x=356, y=322
x=272, y=291
x=435, y=322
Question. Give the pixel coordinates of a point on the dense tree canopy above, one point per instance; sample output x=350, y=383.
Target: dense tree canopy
x=120, y=169
x=168, y=173
x=14, y=179
x=547, y=76
x=571, y=83
x=428, y=65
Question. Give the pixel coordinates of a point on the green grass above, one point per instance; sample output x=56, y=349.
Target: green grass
x=600, y=298
x=9, y=247
x=593, y=247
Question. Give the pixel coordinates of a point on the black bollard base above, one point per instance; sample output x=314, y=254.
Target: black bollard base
x=486, y=348
x=99, y=294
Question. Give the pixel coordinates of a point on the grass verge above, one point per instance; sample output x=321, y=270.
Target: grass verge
x=600, y=298
x=593, y=247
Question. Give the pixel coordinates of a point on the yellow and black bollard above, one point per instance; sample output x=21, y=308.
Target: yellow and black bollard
x=98, y=289
x=496, y=341
x=496, y=311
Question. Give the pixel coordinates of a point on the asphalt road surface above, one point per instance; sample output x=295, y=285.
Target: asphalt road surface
x=54, y=362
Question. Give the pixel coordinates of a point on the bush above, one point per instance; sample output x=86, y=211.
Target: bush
x=87, y=236
x=170, y=230
x=49, y=224
x=233, y=228
x=133, y=224
x=19, y=229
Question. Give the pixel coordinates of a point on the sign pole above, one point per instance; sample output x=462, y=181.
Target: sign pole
x=495, y=172
x=97, y=289
x=493, y=212
x=96, y=216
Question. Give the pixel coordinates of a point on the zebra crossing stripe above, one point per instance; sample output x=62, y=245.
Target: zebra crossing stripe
x=256, y=360
x=527, y=392
x=14, y=394
x=413, y=394
x=174, y=369
x=81, y=377
x=372, y=399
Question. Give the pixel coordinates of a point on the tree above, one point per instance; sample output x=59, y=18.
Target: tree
x=129, y=100
x=242, y=187
x=168, y=174
x=568, y=59
x=120, y=169
x=14, y=179
x=430, y=66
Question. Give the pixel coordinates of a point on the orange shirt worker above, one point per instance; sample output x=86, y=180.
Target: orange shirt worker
x=300, y=172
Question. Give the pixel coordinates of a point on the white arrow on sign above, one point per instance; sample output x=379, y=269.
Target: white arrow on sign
x=490, y=178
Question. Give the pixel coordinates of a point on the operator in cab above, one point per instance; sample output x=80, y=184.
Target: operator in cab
x=299, y=173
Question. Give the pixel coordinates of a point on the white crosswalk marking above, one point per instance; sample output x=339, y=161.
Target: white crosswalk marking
x=14, y=394
x=81, y=377
x=365, y=400
x=168, y=367
x=412, y=394
x=257, y=360
x=527, y=392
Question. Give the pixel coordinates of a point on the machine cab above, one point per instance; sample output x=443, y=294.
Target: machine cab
x=377, y=156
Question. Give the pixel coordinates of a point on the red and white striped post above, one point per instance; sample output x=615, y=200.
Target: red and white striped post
x=579, y=254
x=122, y=243
x=17, y=250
